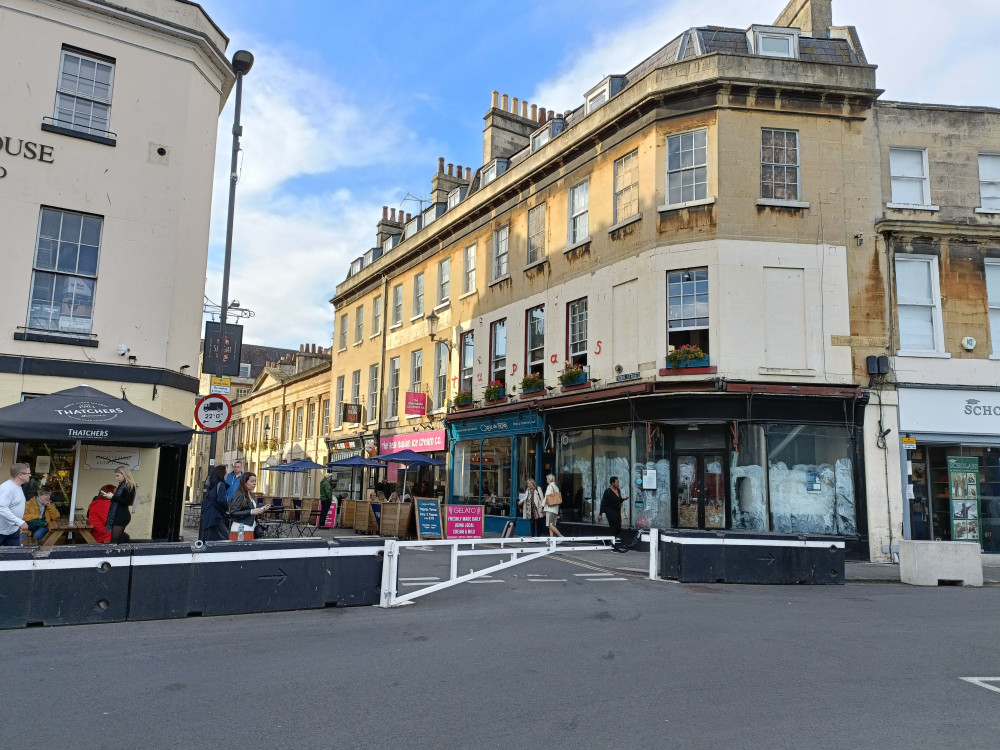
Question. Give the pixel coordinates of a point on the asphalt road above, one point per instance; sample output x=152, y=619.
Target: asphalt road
x=549, y=655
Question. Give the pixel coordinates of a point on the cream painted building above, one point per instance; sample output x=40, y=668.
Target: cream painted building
x=105, y=198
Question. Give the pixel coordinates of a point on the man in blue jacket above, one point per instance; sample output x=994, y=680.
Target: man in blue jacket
x=233, y=478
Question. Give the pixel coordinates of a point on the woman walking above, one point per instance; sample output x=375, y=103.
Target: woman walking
x=552, y=508
x=121, y=499
x=243, y=508
x=215, y=507
x=533, y=507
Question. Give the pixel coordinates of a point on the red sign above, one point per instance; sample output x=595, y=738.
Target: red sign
x=464, y=521
x=415, y=404
x=212, y=413
x=420, y=442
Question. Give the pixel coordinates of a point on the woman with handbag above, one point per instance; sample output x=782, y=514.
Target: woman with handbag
x=119, y=514
x=215, y=507
x=533, y=507
x=243, y=508
x=553, y=499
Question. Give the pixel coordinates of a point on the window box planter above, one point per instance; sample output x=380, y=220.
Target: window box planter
x=499, y=398
x=531, y=389
x=533, y=392
x=578, y=379
x=698, y=362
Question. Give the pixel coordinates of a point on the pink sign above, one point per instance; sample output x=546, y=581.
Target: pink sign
x=421, y=442
x=415, y=404
x=464, y=521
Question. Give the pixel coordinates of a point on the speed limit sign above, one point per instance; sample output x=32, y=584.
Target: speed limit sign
x=212, y=413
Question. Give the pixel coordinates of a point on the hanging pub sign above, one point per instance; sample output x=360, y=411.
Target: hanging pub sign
x=963, y=478
x=229, y=354
x=351, y=413
x=416, y=404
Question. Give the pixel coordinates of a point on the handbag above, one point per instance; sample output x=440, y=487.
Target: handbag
x=554, y=498
x=241, y=532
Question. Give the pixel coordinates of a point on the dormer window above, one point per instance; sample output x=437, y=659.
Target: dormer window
x=547, y=132
x=456, y=196
x=596, y=100
x=356, y=265
x=492, y=170
x=774, y=41
x=599, y=95
x=540, y=139
x=388, y=243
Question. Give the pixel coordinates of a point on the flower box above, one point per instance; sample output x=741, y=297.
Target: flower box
x=698, y=362
x=578, y=379
x=493, y=397
x=531, y=389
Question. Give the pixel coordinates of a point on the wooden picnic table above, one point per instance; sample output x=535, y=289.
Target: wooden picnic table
x=60, y=534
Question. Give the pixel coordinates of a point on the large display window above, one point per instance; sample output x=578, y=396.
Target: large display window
x=52, y=465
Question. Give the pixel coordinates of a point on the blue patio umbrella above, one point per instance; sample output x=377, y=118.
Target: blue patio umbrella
x=409, y=458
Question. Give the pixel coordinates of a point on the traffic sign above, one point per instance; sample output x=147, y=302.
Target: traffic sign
x=212, y=413
x=220, y=386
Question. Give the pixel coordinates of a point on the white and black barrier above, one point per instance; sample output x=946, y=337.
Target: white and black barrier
x=87, y=584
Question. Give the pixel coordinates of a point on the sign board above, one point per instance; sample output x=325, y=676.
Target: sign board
x=420, y=442
x=626, y=376
x=428, y=519
x=415, y=404
x=220, y=386
x=963, y=480
x=344, y=444
x=351, y=413
x=212, y=413
x=464, y=521
x=331, y=515
x=517, y=423
x=104, y=457
x=228, y=354
x=909, y=443
x=649, y=479
x=949, y=411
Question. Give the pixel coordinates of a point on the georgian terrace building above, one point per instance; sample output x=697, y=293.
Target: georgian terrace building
x=105, y=198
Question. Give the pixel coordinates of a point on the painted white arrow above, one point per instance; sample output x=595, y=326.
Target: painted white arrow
x=981, y=681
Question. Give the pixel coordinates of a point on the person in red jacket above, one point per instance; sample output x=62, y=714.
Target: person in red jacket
x=97, y=514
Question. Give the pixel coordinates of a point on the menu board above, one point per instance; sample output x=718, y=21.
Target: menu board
x=963, y=480
x=428, y=519
x=464, y=521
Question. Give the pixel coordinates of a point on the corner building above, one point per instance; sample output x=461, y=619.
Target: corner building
x=107, y=144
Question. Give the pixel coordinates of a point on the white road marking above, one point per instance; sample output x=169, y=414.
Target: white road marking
x=605, y=579
x=590, y=575
x=429, y=578
x=981, y=681
x=546, y=580
x=492, y=580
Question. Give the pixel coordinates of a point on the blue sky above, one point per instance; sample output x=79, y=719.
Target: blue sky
x=349, y=105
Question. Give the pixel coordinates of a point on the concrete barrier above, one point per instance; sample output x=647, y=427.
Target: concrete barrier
x=77, y=584
x=354, y=573
x=936, y=563
x=16, y=574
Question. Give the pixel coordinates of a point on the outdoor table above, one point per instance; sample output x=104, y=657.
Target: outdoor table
x=59, y=533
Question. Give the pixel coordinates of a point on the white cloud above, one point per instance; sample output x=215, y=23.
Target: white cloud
x=932, y=52
x=291, y=245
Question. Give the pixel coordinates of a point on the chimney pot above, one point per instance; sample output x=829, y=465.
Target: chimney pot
x=534, y=111
x=524, y=110
x=493, y=99
x=551, y=114
x=567, y=113
x=458, y=171
x=393, y=214
x=468, y=174
x=408, y=217
x=541, y=117
x=385, y=213
x=514, y=105
x=440, y=164
x=451, y=170
x=504, y=102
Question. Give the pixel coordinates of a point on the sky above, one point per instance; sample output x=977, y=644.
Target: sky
x=349, y=105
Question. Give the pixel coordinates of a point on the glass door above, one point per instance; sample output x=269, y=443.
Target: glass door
x=701, y=491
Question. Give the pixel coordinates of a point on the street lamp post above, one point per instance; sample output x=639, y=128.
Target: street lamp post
x=242, y=62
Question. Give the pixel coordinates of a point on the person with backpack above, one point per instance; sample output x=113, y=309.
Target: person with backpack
x=214, y=526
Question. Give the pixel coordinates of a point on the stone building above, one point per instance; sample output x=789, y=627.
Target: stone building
x=105, y=198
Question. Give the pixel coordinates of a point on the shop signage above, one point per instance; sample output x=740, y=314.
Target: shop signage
x=428, y=519
x=464, y=521
x=963, y=480
x=517, y=423
x=626, y=376
x=421, y=442
x=25, y=149
x=103, y=457
x=228, y=354
x=345, y=444
x=351, y=413
x=949, y=411
x=415, y=404
x=220, y=386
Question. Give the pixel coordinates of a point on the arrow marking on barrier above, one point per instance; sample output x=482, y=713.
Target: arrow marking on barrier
x=768, y=560
x=280, y=577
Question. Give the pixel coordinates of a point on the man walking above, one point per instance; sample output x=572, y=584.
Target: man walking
x=12, y=521
x=325, y=498
x=233, y=478
x=611, y=506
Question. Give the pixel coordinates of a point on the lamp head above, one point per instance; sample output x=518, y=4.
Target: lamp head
x=432, y=321
x=242, y=62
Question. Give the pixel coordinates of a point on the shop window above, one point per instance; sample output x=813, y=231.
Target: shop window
x=810, y=480
x=498, y=351
x=576, y=314
x=52, y=465
x=652, y=461
x=535, y=342
x=918, y=304
x=495, y=464
x=64, y=272
x=83, y=96
x=467, y=352
x=748, y=479
x=526, y=452
x=687, y=309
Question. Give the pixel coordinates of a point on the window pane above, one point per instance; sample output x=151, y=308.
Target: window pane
x=916, y=328
x=906, y=162
x=993, y=284
x=905, y=190
x=989, y=167
x=913, y=281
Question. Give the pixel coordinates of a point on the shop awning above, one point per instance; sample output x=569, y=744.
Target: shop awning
x=90, y=416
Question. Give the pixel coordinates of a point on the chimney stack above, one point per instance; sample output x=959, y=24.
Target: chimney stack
x=493, y=99
x=440, y=165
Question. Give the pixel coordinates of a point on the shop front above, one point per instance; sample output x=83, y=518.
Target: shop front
x=951, y=465
x=339, y=449
x=492, y=458
x=421, y=481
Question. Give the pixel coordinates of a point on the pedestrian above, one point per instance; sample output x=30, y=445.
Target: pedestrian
x=40, y=513
x=533, y=507
x=244, y=508
x=233, y=479
x=552, y=493
x=12, y=506
x=121, y=499
x=97, y=514
x=611, y=506
x=325, y=498
x=214, y=524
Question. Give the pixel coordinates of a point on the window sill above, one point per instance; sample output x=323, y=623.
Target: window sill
x=625, y=223
x=358, y=343
x=535, y=264
x=789, y=371
x=394, y=326
x=375, y=335
x=774, y=202
x=341, y=349
x=988, y=211
x=912, y=207
x=469, y=294
x=442, y=410
x=392, y=420
x=688, y=204
x=926, y=355
x=443, y=305
x=500, y=279
x=78, y=134
x=417, y=317
x=995, y=356
x=577, y=245
x=55, y=338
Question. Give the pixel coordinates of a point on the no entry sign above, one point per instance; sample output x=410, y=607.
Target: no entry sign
x=212, y=413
